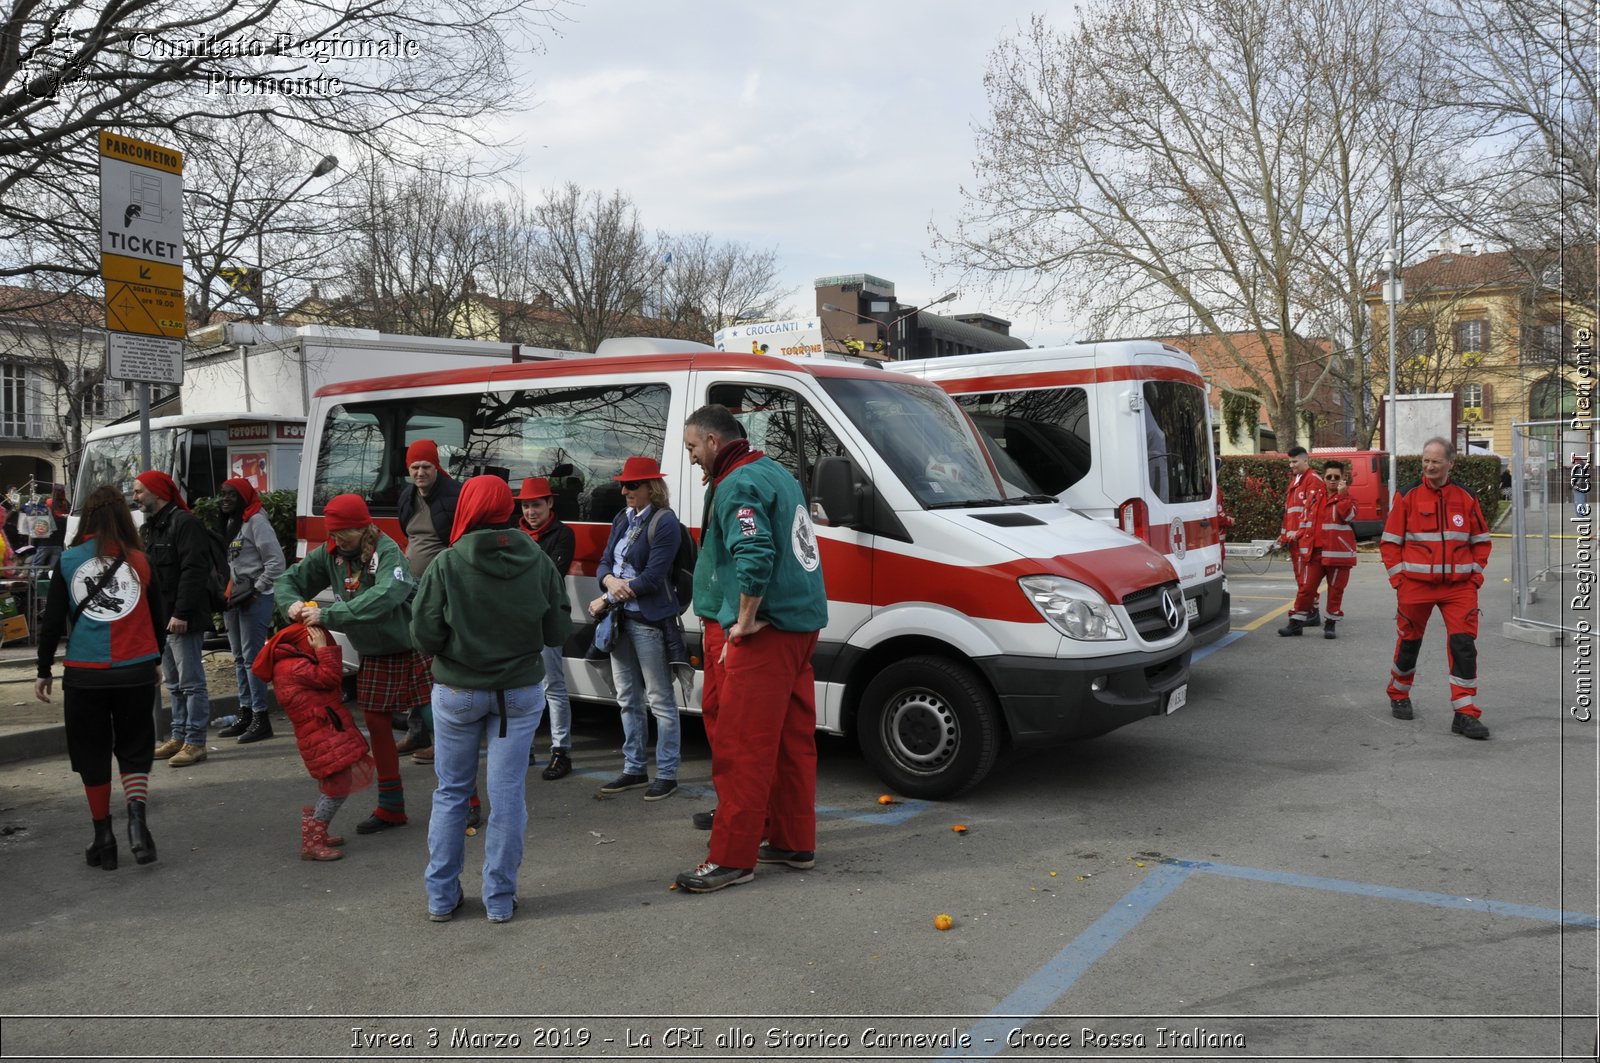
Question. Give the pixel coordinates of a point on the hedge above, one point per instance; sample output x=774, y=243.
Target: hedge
x=1252, y=487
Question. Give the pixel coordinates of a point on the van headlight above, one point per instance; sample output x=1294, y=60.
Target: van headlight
x=1073, y=609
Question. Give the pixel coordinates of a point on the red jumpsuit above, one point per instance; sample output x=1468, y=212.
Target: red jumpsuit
x=1435, y=547
x=1299, y=532
x=1334, y=556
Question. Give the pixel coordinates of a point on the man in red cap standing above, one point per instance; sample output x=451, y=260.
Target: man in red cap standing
x=427, y=509
x=371, y=585
x=559, y=544
x=180, y=560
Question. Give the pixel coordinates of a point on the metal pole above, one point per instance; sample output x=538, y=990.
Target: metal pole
x=144, y=425
x=1391, y=297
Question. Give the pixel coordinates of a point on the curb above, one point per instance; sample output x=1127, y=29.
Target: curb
x=51, y=740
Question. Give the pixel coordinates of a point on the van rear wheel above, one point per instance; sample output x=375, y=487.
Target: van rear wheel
x=929, y=727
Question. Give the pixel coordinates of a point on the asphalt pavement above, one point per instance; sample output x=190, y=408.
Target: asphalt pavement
x=1278, y=869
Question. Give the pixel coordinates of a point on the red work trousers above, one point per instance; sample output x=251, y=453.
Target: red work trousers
x=763, y=744
x=1309, y=576
x=1458, y=604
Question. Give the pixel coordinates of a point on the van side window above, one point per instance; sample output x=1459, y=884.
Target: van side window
x=208, y=462
x=1177, y=441
x=1044, y=432
x=578, y=437
x=783, y=424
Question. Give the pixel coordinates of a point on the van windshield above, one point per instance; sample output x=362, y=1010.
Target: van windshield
x=115, y=461
x=923, y=436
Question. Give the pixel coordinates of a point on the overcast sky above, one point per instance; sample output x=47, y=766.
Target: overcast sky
x=833, y=133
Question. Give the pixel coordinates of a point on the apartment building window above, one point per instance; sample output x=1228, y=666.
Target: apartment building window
x=1477, y=402
x=1419, y=340
x=1472, y=336
x=13, y=400
x=1544, y=343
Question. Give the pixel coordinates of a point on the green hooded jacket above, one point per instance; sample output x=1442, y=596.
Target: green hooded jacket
x=486, y=609
x=376, y=618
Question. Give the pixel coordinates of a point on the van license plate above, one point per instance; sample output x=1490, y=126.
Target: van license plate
x=1191, y=607
x=1177, y=699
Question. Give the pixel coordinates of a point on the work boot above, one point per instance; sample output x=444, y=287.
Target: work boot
x=102, y=852
x=314, y=840
x=1327, y=629
x=167, y=748
x=1400, y=708
x=189, y=754
x=239, y=726
x=560, y=765
x=260, y=727
x=139, y=839
x=1468, y=726
x=1315, y=618
x=1294, y=629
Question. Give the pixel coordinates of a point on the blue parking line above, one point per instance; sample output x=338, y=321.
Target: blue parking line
x=1206, y=651
x=1029, y=1000
x=1391, y=893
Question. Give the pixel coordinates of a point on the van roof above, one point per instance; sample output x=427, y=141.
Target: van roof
x=188, y=420
x=1067, y=365
x=589, y=365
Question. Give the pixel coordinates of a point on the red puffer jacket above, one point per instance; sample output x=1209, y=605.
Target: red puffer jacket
x=308, y=684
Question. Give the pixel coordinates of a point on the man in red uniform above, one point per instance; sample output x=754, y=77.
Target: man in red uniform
x=1335, y=555
x=1435, y=547
x=1299, y=533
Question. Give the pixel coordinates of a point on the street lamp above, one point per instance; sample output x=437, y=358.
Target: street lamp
x=889, y=326
x=326, y=165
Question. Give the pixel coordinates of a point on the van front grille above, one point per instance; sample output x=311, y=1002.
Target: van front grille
x=1149, y=618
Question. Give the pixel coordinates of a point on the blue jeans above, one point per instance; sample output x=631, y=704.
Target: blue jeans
x=639, y=669
x=461, y=718
x=185, y=676
x=555, y=698
x=248, y=628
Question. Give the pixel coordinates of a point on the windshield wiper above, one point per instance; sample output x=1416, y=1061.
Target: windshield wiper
x=971, y=503
x=1029, y=500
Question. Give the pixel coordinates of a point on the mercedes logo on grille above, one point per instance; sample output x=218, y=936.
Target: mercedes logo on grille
x=1172, y=609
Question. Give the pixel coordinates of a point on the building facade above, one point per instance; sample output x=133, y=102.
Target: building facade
x=860, y=315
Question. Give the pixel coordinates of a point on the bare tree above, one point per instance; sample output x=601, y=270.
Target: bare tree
x=1523, y=71
x=706, y=285
x=401, y=78
x=595, y=261
x=1178, y=165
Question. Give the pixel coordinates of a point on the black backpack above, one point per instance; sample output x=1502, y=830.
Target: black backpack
x=681, y=574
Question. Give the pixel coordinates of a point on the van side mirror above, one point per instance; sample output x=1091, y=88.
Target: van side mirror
x=837, y=493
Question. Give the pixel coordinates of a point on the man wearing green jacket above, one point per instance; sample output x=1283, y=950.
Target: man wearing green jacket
x=759, y=576
x=485, y=609
x=372, y=589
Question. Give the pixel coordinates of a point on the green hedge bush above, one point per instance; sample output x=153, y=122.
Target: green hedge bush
x=1252, y=487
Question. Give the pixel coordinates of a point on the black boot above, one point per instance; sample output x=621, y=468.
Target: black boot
x=139, y=839
x=1293, y=630
x=239, y=726
x=1327, y=629
x=102, y=852
x=260, y=727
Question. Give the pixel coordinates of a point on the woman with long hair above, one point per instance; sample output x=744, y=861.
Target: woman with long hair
x=102, y=596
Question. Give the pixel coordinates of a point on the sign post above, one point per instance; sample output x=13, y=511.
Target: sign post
x=141, y=262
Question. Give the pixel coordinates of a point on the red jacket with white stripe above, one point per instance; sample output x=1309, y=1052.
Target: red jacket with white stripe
x=1335, y=537
x=1300, y=509
x=1436, y=536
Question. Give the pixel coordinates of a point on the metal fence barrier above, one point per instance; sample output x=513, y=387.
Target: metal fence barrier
x=1552, y=529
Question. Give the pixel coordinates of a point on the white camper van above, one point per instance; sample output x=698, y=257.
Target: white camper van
x=1120, y=431
x=963, y=616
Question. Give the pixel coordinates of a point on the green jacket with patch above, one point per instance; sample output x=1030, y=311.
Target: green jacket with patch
x=374, y=614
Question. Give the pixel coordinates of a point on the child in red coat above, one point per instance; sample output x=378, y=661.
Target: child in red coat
x=306, y=669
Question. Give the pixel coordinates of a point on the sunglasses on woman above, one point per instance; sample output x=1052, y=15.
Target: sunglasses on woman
x=632, y=485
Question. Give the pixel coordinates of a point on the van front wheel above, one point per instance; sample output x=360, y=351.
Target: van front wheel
x=929, y=727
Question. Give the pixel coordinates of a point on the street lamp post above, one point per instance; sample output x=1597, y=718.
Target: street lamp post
x=1393, y=296
x=889, y=326
x=327, y=164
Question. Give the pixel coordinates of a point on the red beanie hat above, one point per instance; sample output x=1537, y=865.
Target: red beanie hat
x=162, y=486
x=423, y=450
x=346, y=511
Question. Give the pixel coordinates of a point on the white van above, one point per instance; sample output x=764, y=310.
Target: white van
x=963, y=617
x=1120, y=431
x=198, y=450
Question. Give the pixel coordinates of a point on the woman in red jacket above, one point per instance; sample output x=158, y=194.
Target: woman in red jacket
x=307, y=671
